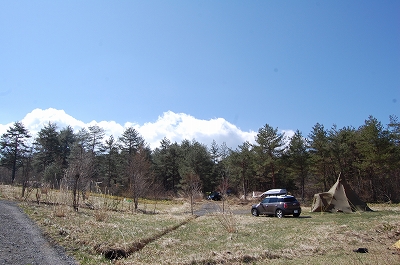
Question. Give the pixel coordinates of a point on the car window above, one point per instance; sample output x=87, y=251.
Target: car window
x=266, y=200
x=272, y=200
x=290, y=199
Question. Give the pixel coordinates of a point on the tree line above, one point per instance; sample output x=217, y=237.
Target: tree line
x=368, y=157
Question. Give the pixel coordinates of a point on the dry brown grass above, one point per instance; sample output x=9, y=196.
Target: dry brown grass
x=60, y=211
x=170, y=236
x=100, y=215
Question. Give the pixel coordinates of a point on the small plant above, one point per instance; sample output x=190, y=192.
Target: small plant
x=100, y=215
x=113, y=204
x=228, y=221
x=59, y=211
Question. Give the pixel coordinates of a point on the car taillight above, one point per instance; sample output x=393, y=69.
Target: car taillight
x=285, y=205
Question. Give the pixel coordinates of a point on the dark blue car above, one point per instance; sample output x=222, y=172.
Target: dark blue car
x=215, y=196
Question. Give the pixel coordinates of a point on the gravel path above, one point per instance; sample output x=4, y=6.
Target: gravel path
x=213, y=207
x=22, y=242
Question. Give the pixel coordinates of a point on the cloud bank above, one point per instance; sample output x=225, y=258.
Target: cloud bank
x=174, y=126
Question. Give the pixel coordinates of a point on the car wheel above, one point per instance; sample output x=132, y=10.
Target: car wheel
x=296, y=215
x=254, y=212
x=279, y=213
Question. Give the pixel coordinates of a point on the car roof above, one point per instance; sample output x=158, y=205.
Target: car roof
x=274, y=192
x=280, y=196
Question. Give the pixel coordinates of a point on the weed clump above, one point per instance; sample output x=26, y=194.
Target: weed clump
x=228, y=222
x=100, y=215
x=59, y=211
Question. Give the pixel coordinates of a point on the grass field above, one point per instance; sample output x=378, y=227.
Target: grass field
x=165, y=233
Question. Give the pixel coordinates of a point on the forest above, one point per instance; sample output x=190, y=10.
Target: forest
x=86, y=161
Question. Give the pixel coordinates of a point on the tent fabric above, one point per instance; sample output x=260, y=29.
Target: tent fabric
x=396, y=245
x=340, y=198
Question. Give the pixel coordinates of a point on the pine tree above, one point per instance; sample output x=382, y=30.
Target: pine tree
x=48, y=156
x=269, y=148
x=298, y=157
x=14, y=147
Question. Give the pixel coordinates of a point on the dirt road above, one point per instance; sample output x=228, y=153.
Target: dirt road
x=21, y=241
x=210, y=207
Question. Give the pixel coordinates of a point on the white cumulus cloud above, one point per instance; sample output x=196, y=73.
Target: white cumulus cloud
x=179, y=126
x=174, y=126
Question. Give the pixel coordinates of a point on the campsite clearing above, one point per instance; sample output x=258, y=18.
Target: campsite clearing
x=314, y=238
x=167, y=234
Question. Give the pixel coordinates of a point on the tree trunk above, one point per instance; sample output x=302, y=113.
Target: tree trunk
x=76, y=193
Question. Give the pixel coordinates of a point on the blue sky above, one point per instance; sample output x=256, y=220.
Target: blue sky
x=289, y=64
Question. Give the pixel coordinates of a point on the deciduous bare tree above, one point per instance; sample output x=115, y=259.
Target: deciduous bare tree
x=139, y=173
x=27, y=171
x=78, y=173
x=223, y=187
x=191, y=187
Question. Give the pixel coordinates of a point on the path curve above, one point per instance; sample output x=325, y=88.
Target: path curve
x=211, y=207
x=22, y=242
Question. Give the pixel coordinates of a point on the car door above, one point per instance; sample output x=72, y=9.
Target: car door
x=272, y=205
x=263, y=206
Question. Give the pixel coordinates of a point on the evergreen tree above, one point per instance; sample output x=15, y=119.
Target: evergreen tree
x=14, y=148
x=214, y=152
x=394, y=160
x=241, y=163
x=218, y=168
x=269, y=148
x=196, y=160
x=96, y=135
x=343, y=152
x=110, y=161
x=298, y=157
x=320, y=158
x=83, y=139
x=375, y=148
x=95, y=141
x=394, y=130
x=130, y=142
x=66, y=139
x=166, y=164
x=48, y=156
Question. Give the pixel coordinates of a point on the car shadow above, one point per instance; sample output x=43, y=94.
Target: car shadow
x=300, y=217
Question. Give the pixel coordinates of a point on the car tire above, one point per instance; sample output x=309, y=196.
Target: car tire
x=296, y=215
x=279, y=213
x=254, y=212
